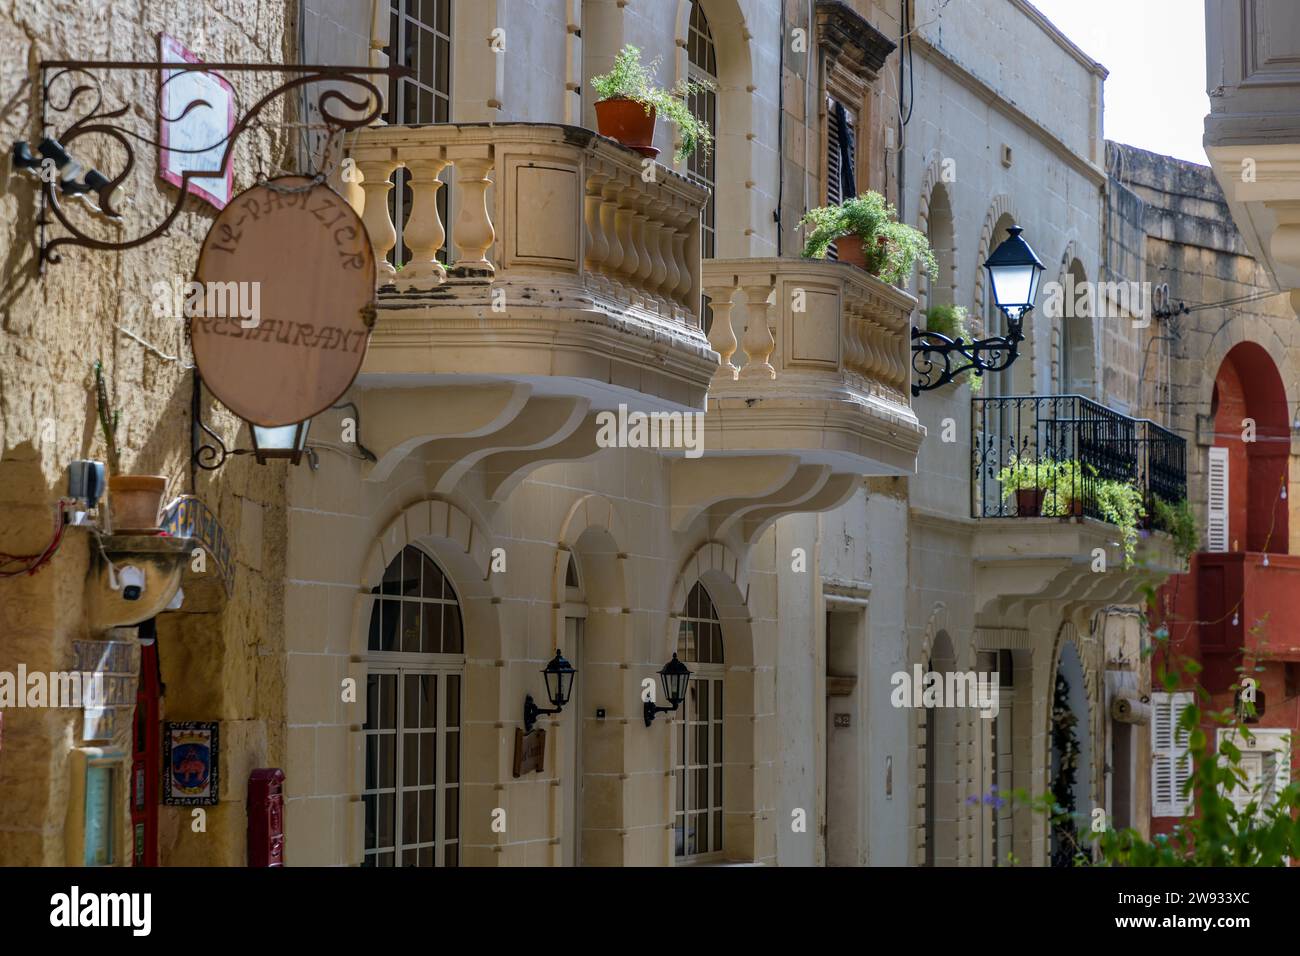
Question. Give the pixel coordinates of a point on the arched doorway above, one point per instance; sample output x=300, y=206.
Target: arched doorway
x=941, y=794
x=1247, y=474
x=1071, y=758
x=415, y=662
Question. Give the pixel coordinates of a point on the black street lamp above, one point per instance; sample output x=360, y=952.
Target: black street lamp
x=559, y=675
x=1014, y=271
x=674, y=676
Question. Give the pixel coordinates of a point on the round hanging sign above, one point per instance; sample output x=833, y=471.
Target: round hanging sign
x=284, y=300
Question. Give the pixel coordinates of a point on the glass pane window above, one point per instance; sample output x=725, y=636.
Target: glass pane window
x=697, y=790
x=413, y=712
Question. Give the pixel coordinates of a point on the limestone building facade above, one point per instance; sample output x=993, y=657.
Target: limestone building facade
x=463, y=516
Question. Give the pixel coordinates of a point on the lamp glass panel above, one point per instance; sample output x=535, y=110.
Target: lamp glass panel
x=279, y=438
x=1013, y=286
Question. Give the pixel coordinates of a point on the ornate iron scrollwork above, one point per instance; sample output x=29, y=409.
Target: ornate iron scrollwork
x=74, y=89
x=937, y=359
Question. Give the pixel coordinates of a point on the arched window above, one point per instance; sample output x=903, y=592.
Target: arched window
x=697, y=811
x=415, y=658
x=700, y=168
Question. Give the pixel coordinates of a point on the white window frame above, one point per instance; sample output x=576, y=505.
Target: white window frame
x=1169, y=753
x=1275, y=740
x=685, y=756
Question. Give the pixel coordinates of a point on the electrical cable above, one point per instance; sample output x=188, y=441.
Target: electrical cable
x=34, y=562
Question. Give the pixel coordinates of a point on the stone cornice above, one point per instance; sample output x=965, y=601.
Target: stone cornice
x=846, y=35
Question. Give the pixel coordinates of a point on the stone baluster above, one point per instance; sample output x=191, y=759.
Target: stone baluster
x=473, y=234
x=377, y=171
x=895, y=343
x=758, y=343
x=854, y=351
x=641, y=228
x=672, y=270
x=686, y=225
x=424, y=233
x=625, y=219
x=722, y=337
x=613, y=264
x=659, y=268
x=596, y=251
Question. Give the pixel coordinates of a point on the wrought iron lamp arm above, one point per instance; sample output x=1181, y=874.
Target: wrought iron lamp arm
x=937, y=359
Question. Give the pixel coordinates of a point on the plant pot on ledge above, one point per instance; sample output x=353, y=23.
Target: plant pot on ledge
x=629, y=122
x=135, y=500
x=1029, y=502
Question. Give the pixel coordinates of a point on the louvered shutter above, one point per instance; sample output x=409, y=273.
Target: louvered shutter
x=841, y=157
x=1170, y=760
x=1216, y=521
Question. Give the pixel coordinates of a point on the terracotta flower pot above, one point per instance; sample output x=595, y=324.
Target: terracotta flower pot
x=849, y=249
x=135, y=500
x=1074, y=509
x=1029, y=502
x=628, y=122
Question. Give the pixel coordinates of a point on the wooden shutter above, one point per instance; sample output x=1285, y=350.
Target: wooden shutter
x=1216, y=522
x=1170, y=762
x=841, y=157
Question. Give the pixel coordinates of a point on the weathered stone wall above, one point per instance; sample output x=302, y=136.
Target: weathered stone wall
x=53, y=326
x=1193, y=245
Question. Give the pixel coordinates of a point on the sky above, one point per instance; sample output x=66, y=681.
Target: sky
x=1155, y=52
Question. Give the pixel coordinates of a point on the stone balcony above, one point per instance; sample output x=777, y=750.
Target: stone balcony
x=1252, y=134
x=567, y=283
x=810, y=398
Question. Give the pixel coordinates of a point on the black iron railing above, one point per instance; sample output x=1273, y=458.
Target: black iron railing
x=1050, y=455
x=1162, y=469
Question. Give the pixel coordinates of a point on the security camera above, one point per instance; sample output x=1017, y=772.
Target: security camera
x=130, y=581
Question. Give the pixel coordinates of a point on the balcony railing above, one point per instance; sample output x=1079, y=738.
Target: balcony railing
x=809, y=323
x=534, y=200
x=1047, y=455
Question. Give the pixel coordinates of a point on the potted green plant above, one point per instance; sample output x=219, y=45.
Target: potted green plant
x=628, y=102
x=867, y=233
x=1029, y=479
x=1064, y=499
x=1179, y=522
x=134, y=499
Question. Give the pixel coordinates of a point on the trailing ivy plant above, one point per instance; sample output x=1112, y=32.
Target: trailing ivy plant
x=1066, y=488
x=630, y=79
x=870, y=217
x=1065, y=743
x=1122, y=504
x=1178, y=520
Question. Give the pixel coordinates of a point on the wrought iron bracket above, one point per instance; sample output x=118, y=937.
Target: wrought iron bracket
x=938, y=359
x=74, y=91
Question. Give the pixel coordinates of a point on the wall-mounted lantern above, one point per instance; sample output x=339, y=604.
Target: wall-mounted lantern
x=559, y=675
x=282, y=441
x=674, y=676
x=1014, y=271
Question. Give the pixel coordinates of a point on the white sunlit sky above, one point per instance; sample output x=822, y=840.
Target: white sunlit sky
x=1155, y=52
